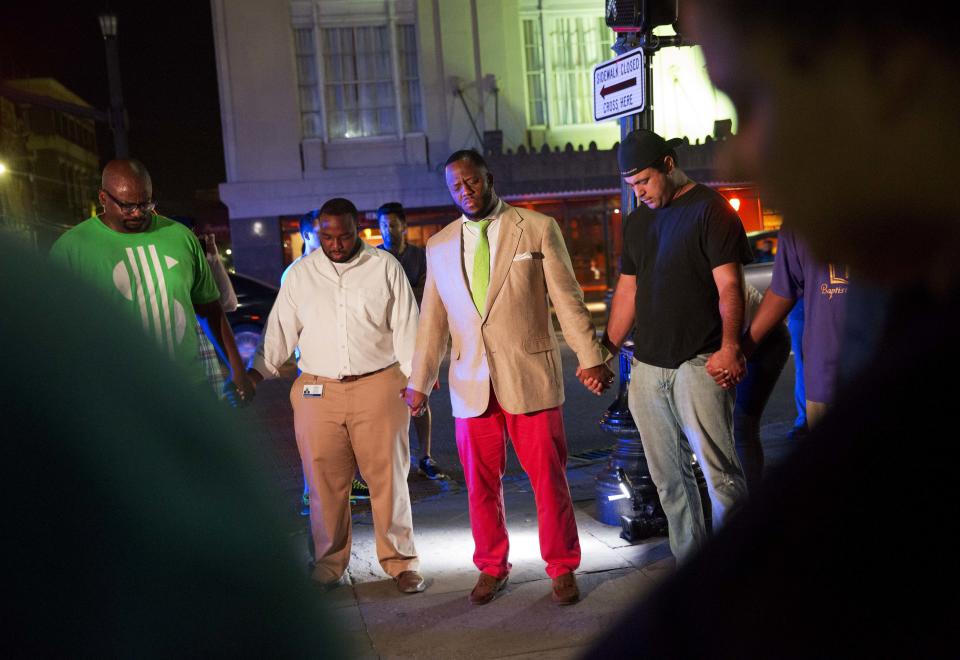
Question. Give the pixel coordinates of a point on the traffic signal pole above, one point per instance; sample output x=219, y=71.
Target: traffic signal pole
x=625, y=492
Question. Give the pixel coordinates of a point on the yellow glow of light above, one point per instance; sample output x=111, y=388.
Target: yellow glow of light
x=735, y=203
x=3, y=168
x=367, y=233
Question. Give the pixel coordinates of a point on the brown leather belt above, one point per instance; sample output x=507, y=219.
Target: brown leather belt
x=350, y=379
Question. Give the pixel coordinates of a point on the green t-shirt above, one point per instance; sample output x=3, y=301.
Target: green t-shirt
x=158, y=274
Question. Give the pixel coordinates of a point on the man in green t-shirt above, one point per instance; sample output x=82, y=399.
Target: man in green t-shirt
x=151, y=265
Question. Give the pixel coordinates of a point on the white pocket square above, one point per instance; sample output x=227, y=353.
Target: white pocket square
x=523, y=256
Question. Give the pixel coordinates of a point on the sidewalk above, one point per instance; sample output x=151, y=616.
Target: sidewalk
x=522, y=622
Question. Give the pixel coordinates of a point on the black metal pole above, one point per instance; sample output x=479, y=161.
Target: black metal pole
x=117, y=114
x=638, y=512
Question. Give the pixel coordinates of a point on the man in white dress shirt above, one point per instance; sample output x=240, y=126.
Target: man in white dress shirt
x=351, y=311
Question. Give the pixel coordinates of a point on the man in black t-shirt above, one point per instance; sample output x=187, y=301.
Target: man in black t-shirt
x=681, y=291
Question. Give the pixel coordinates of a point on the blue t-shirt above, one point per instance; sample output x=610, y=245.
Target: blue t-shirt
x=797, y=274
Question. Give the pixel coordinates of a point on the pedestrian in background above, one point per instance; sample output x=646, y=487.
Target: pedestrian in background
x=764, y=367
x=413, y=258
x=823, y=288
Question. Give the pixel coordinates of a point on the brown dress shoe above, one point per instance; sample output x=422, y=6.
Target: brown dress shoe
x=486, y=589
x=565, y=589
x=410, y=582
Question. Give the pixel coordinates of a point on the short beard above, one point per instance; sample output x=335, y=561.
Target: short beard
x=488, y=208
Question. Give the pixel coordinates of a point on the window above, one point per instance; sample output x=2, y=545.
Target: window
x=409, y=79
x=533, y=59
x=358, y=84
x=574, y=44
x=310, y=110
x=362, y=76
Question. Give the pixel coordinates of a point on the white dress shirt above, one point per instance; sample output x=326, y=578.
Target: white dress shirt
x=348, y=320
x=471, y=236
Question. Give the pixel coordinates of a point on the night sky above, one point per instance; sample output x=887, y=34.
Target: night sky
x=168, y=71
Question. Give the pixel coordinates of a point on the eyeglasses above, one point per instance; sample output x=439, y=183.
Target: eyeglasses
x=129, y=208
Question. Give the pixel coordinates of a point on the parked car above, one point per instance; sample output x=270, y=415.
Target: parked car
x=764, y=245
x=254, y=301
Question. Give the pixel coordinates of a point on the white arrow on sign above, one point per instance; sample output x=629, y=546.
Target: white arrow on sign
x=618, y=86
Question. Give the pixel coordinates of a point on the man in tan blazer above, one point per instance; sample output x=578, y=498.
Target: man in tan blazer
x=489, y=275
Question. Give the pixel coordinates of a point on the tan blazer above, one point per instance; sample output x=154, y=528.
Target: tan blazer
x=513, y=344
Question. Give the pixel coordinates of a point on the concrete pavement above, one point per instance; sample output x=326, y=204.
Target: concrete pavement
x=522, y=622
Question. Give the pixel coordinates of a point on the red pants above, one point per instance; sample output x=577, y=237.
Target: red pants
x=541, y=446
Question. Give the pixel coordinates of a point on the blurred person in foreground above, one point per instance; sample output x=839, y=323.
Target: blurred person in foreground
x=166, y=540
x=848, y=120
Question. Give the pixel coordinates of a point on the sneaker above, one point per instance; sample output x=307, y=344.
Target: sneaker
x=430, y=469
x=305, y=505
x=359, y=491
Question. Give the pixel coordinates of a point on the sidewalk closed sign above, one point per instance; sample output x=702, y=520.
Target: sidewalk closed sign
x=618, y=86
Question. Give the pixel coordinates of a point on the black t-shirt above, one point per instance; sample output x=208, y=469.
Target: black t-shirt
x=673, y=251
x=414, y=262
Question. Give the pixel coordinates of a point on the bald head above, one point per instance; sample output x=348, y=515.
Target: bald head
x=126, y=194
x=121, y=170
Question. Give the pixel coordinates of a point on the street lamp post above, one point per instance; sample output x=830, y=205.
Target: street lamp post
x=117, y=114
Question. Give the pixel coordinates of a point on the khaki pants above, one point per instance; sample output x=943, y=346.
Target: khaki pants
x=362, y=423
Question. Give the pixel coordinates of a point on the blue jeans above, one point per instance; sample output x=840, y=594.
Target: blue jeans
x=795, y=325
x=681, y=413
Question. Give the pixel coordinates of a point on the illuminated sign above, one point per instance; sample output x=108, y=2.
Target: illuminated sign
x=618, y=86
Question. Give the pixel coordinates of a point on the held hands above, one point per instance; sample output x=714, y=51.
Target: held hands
x=241, y=390
x=417, y=401
x=727, y=366
x=596, y=379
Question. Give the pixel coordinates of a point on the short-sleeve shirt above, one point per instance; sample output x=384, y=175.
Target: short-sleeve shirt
x=672, y=252
x=158, y=275
x=822, y=287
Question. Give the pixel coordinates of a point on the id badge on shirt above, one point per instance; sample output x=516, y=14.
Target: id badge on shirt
x=313, y=391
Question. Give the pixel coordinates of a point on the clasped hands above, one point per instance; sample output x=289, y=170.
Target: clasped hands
x=727, y=366
x=596, y=379
x=417, y=401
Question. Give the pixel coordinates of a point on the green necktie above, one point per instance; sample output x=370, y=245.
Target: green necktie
x=481, y=266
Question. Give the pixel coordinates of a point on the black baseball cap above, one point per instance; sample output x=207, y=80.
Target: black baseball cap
x=641, y=149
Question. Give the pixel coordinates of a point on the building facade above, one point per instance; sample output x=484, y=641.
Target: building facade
x=51, y=160
x=365, y=99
